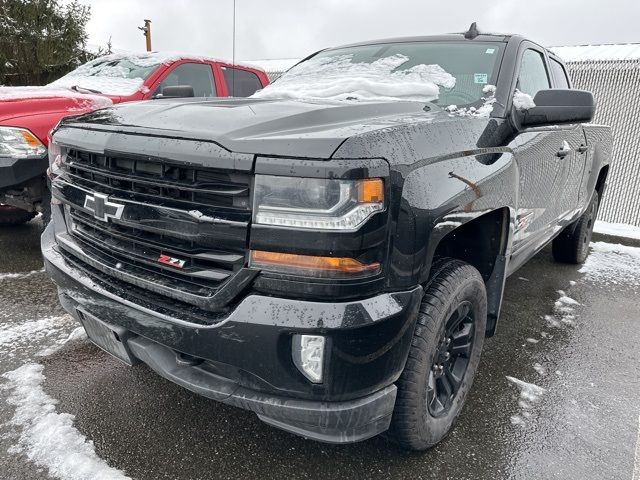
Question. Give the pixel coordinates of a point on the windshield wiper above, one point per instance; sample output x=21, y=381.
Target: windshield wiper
x=84, y=89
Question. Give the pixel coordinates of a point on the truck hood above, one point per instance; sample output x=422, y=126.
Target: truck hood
x=310, y=129
x=18, y=102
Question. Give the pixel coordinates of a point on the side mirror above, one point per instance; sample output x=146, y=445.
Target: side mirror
x=559, y=106
x=177, y=91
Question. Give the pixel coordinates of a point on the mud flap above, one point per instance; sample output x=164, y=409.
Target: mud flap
x=495, y=290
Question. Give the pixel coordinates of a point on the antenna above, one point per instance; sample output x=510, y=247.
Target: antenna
x=471, y=33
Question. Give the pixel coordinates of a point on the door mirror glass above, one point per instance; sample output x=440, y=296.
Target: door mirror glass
x=559, y=106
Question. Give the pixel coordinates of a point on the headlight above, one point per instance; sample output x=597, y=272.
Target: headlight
x=20, y=143
x=56, y=158
x=316, y=203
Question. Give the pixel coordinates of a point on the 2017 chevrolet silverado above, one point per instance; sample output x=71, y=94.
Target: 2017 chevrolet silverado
x=330, y=253
x=27, y=114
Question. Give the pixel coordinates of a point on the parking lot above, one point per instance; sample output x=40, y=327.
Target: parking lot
x=557, y=394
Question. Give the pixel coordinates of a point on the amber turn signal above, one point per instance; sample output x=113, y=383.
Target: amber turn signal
x=30, y=139
x=370, y=191
x=311, y=265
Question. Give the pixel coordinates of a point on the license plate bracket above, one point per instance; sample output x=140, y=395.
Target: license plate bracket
x=112, y=339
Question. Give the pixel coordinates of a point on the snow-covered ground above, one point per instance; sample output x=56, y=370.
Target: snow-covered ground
x=617, y=229
x=607, y=264
x=37, y=430
x=47, y=437
x=611, y=264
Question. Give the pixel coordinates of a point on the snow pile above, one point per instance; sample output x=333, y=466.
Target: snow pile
x=540, y=369
x=113, y=74
x=522, y=101
x=529, y=394
x=77, y=334
x=48, y=438
x=18, y=337
x=564, y=311
x=106, y=85
x=612, y=264
x=80, y=101
x=617, y=229
x=484, y=111
x=339, y=78
x=7, y=276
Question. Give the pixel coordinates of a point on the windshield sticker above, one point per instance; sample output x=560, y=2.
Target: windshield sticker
x=482, y=78
x=490, y=51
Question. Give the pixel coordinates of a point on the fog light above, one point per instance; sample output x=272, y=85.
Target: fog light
x=308, y=355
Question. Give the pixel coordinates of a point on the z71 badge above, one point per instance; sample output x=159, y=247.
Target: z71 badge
x=174, y=262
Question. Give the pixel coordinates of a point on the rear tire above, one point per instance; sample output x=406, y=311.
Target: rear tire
x=572, y=245
x=14, y=216
x=444, y=356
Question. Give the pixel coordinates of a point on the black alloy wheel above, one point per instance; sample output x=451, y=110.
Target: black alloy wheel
x=451, y=360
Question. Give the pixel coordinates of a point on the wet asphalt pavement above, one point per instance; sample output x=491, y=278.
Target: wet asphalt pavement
x=583, y=425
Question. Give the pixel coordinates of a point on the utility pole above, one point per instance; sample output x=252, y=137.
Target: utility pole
x=146, y=31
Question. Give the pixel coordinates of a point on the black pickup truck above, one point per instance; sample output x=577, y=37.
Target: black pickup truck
x=331, y=252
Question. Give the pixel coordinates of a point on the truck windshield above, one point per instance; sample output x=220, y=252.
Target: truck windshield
x=446, y=73
x=111, y=75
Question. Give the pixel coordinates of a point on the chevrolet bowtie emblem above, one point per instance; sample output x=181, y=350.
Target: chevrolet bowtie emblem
x=101, y=208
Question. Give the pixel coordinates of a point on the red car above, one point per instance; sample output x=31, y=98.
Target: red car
x=27, y=114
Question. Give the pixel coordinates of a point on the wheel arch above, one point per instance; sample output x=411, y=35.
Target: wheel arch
x=483, y=241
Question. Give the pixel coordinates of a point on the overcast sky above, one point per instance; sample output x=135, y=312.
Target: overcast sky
x=267, y=29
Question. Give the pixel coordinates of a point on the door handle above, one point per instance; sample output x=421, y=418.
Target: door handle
x=565, y=150
x=582, y=148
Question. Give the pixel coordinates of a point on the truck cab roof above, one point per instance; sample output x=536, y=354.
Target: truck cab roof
x=454, y=37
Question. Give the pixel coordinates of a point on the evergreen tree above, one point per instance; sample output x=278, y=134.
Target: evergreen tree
x=41, y=40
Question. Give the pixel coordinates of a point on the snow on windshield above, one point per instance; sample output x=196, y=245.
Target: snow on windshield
x=112, y=74
x=484, y=111
x=338, y=78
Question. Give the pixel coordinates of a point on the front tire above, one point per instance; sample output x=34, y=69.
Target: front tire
x=14, y=216
x=443, y=357
x=572, y=245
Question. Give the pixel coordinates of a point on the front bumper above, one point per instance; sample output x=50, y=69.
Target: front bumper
x=245, y=359
x=14, y=171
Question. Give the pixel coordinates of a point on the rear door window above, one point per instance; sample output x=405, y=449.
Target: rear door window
x=198, y=75
x=240, y=83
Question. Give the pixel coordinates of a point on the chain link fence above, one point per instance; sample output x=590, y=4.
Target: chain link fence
x=616, y=87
